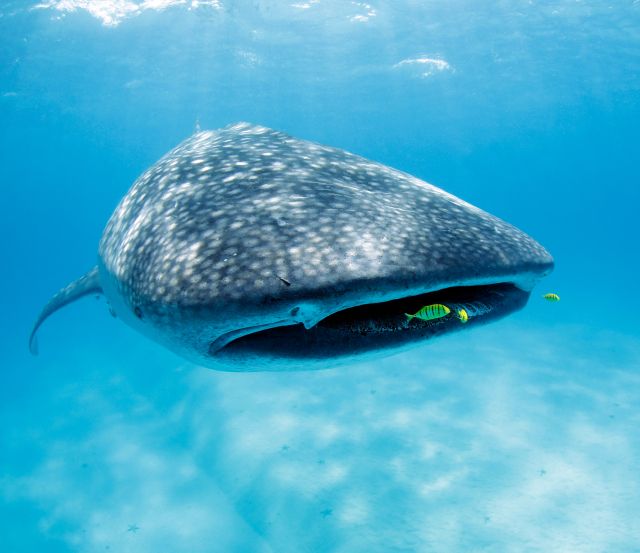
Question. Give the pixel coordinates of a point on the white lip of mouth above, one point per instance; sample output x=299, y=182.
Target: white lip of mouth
x=221, y=341
x=305, y=313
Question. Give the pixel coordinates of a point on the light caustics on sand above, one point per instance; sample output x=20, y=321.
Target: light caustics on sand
x=407, y=451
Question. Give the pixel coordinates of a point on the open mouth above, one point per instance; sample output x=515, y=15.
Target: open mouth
x=379, y=326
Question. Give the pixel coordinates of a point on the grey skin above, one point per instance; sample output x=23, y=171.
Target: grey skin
x=247, y=249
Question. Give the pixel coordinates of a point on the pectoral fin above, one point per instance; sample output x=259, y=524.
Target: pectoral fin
x=87, y=284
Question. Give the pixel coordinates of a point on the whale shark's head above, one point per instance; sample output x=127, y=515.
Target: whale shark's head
x=247, y=249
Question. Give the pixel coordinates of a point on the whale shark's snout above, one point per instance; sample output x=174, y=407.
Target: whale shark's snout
x=248, y=249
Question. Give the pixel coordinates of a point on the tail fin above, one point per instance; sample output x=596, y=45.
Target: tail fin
x=409, y=317
x=87, y=284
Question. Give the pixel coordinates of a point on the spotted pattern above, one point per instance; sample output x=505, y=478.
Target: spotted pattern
x=246, y=222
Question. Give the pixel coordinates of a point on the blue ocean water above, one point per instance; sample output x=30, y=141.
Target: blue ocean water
x=518, y=436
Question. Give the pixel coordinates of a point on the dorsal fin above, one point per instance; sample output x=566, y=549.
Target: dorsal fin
x=86, y=284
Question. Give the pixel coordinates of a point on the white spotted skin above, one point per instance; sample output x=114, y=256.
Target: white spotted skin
x=247, y=226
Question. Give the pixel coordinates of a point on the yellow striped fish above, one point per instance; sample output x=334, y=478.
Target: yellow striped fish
x=551, y=297
x=430, y=312
x=462, y=315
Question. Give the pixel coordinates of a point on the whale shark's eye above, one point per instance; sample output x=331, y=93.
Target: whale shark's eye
x=137, y=312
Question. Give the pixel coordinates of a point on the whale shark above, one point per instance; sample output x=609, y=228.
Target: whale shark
x=247, y=249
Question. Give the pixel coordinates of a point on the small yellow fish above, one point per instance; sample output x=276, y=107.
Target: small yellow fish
x=430, y=312
x=551, y=297
x=463, y=315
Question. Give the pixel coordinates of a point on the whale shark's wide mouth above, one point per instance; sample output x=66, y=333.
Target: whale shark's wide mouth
x=377, y=326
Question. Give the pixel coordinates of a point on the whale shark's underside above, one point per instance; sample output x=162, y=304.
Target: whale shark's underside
x=247, y=249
